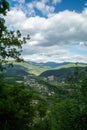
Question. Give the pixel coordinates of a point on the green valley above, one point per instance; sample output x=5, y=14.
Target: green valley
x=52, y=96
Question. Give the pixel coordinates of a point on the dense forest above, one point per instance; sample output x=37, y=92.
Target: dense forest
x=22, y=107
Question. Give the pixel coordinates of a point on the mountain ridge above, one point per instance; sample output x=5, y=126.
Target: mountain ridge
x=38, y=68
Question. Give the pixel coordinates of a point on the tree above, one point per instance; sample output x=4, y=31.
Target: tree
x=64, y=114
x=10, y=41
x=16, y=109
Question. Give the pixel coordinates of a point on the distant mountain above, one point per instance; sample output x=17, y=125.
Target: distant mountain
x=54, y=64
x=48, y=65
x=40, y=65
x=16, y=70
x=62, y=72
x=68, y=65
x=26, y=68
x=34, y=68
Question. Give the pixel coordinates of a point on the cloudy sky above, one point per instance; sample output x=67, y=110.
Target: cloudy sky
x=57, y=28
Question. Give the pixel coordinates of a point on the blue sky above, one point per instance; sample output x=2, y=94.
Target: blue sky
x=58, y=29
x=59, y=5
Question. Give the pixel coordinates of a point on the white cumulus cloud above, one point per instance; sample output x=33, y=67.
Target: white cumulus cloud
x=57, y=1
x=49, y=34
x=19, y=1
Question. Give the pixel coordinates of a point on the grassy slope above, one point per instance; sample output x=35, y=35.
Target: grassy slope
x=38, y=69
x=62, y=71
x=31, y=68
x=70, y=65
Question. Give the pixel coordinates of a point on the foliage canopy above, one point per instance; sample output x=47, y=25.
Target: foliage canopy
x=10, y=41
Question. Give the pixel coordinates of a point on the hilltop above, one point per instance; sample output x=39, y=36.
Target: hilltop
x=42, y=69
x=64, y=71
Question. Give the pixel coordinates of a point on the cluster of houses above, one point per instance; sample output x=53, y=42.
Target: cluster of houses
x=32, y=82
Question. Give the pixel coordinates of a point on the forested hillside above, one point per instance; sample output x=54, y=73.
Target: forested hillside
x=43, y=104
x=64, y=72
